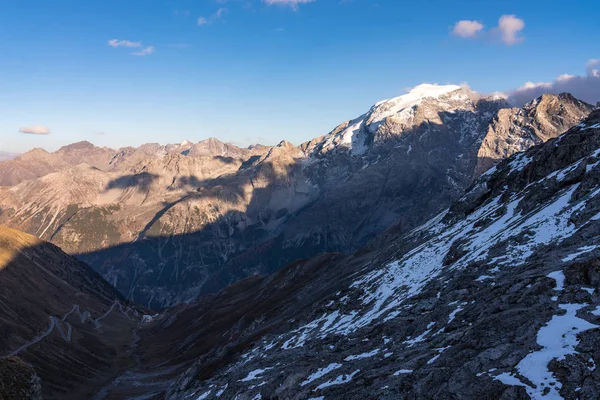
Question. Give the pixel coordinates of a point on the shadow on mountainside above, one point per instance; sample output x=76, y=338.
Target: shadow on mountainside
x=407, y=180
x=59, y=315
x=201, y=338
x=141, y=181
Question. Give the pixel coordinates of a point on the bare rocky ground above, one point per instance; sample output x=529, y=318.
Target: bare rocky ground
x=19, y=380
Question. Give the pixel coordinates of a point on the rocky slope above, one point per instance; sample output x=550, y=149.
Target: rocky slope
x=61, y=317
x=165, y=224
x=496, y=297
x=31, y=165
x=514, y=129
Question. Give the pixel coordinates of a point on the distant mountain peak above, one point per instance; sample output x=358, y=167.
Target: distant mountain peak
x=359, y=135
x=213, y=147
x=83, y=145
x=420, y=92
x=285, y=143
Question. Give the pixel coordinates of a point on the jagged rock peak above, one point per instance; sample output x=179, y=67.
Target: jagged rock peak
x=214, y=147
x=393, y=117
x=516, y=129
x=549, y=100
x=285, y=143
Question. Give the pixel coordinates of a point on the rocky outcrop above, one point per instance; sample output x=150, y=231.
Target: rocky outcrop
x=514, y=129
x=18, y=380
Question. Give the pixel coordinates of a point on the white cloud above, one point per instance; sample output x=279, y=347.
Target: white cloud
x=145, y=51
x=123, y=43
x=202, y=21
x=584, y=87
x=35, y=130
x=508, y=31
x=291, y=3
x=564, y=77
x=509, y=28
x=467, y=29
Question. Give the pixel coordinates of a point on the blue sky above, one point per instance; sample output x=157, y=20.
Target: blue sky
x=259, y=72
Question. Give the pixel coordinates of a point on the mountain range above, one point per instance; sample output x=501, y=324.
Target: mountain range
x=166, y=224
x=493, y=296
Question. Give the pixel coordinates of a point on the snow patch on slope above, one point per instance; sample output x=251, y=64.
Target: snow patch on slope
x=558, y=339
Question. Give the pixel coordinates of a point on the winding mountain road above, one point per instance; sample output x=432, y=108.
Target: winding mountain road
x=65, y=329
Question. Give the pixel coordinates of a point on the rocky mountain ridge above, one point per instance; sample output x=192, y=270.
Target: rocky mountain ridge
x=496, y=297
x=37, y=163
x=193, y=223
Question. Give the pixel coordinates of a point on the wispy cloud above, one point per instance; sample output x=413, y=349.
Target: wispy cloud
x=584, y=87
x=145, y=51
x=467, y=29
x=128, y=43
x=35, y=130
x=123, y=43
x=509, y=30
x=290, y=3
x=202, y=21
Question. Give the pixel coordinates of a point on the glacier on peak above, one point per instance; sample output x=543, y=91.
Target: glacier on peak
x=356, y=134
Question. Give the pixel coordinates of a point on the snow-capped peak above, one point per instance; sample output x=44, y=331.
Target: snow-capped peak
x=185, y=143
x=354, y=136
x=419, y=93
x=415, y=96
